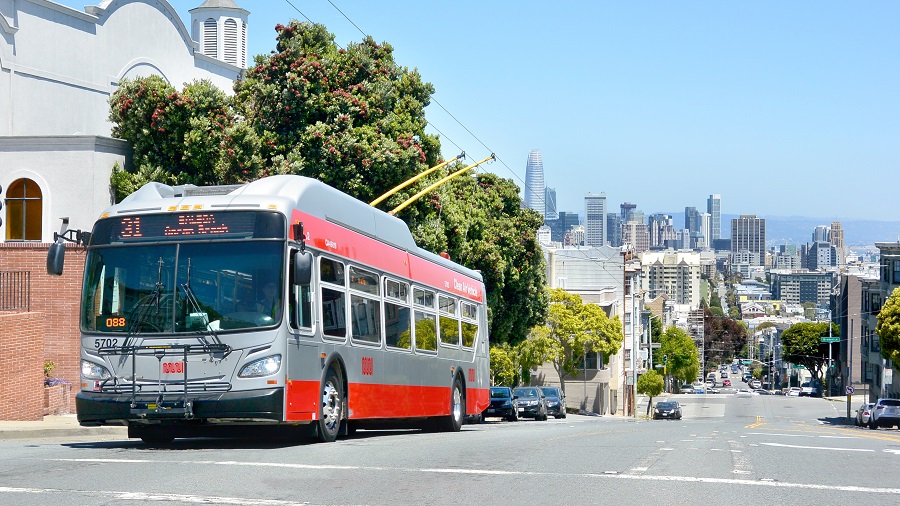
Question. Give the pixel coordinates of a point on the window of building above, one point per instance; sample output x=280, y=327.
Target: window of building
x=896, y=271
x=24, y=211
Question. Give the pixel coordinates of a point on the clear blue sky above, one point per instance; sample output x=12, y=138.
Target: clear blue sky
x=783, y=108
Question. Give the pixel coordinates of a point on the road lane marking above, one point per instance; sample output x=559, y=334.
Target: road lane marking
x=394, y=470
x=155, y=496
x=818, y=448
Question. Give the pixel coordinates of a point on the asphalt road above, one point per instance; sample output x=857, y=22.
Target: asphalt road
x=756, y=450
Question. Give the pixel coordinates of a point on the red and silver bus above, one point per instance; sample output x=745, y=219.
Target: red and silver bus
x=281, y=303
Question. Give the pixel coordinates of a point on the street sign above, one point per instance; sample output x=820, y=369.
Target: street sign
x=655, y=346
x=835, y=339
x=747, y=362
x=850, y=390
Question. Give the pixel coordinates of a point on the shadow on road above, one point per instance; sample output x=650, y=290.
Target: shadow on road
x=836, y=420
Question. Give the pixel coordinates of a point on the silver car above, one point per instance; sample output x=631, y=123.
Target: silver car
x=863, y=414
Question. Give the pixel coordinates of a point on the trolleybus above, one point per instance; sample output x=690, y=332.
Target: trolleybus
x=281, y=303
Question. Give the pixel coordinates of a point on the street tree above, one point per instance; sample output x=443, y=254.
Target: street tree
x=576, y=329
x=802, y=344
x=888, y=327
x=723, y=338
x=504, y=365
x=650, y=384
x=683, y=358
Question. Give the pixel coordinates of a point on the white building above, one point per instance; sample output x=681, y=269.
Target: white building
x=58, y=68
x=673, y=273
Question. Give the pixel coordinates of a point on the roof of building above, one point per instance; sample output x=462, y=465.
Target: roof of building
x=227, y=4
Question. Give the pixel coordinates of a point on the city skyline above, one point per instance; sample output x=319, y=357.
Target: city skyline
x=770, y=93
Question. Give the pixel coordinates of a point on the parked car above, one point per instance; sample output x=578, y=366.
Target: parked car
x=863, y=414
x=886, y=413
x=532, y=402
x=667, y=409
x=762, y=391
x=794, y=392
x=556, y=401
x=503, y=404
x=808, y=389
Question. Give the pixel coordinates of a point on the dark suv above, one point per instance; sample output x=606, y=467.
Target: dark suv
x=556, y=401
x=503, y=404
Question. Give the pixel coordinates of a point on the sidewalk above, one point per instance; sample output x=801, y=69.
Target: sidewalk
x=56, y=426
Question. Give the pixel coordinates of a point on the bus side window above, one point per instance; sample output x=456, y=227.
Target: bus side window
x=300, y=302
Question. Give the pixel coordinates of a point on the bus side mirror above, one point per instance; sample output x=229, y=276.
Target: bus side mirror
x=56, y=255
x=302, y=267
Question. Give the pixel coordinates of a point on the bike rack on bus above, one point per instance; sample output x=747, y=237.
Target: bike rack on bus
x=162, y=407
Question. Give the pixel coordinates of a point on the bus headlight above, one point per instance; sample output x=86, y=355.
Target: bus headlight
x=261, y=367
x=92, y=371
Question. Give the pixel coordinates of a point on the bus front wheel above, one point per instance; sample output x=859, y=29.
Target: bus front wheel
x=331, y=412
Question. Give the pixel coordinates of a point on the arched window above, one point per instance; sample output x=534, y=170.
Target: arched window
x=23, y=211
x=210, y=38
x=231, y=42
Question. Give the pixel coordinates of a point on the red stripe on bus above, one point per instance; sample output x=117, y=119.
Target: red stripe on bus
x=382, y=401
x=349, y=244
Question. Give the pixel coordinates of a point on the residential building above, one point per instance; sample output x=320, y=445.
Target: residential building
x=798, y=287
x=534, y=182
x=787, y=258
x=598, y=276
x=837, y=240
x=675, y=274
x=858, y=300
x=543, y=235
x=714, y=208
x=575, y=235
x=635, y=235
x=595, y=219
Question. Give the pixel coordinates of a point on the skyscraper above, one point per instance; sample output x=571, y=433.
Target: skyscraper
x=534, y=182
x=550, y=204
x=837, y=239
x=748, y=239
x=626, y=210
x=595, y=219
x=692, y=219
x=714, y=208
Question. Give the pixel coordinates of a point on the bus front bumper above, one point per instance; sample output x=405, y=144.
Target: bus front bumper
x=94, y=408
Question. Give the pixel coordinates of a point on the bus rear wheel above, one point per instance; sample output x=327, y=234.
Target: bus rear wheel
x=454, y=421
x=331, y=411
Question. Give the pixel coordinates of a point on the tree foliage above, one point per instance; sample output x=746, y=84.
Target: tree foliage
x=575, y=328
x=723, y=338
x=802, y=344
x=479, y=221
x=650, y=384
x=683, y=358
x=354, y=119
x=888, y=327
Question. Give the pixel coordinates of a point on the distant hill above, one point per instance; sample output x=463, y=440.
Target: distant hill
x=799, y=230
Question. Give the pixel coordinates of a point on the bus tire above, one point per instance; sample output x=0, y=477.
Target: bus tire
x=454, y=421
x=331, y=408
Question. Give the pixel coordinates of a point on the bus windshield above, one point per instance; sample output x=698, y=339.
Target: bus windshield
x=173, y=288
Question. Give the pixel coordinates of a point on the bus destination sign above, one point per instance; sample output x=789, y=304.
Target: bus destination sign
x=180, y=226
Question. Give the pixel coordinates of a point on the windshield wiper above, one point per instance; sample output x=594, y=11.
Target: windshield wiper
x=141, y=311
x=217, y=347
